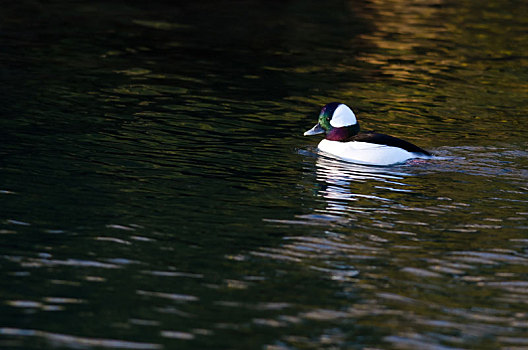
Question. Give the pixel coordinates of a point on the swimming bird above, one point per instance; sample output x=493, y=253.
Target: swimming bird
x=344, y=139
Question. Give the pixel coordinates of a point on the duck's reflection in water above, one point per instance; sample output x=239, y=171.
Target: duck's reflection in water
x=343, y=182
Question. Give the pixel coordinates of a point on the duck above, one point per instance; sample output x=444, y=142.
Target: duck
x=344, y=140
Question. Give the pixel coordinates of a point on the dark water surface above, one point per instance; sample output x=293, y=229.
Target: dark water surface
x=156, y=191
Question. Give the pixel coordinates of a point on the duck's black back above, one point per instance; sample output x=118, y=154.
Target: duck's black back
x=382, y=139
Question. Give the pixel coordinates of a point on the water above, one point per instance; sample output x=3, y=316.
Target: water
x=157, y=193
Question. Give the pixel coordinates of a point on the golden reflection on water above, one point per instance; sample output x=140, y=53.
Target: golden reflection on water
x=401, y=38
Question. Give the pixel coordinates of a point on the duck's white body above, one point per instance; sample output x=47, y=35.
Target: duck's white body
x=367, y=153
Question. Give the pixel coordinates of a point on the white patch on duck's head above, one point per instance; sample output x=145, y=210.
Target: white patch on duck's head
x=343, y=116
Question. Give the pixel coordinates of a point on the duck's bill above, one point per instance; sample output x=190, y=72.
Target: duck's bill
x=317, y=129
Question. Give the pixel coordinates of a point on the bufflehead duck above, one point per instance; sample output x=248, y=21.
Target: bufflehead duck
x=344, y=140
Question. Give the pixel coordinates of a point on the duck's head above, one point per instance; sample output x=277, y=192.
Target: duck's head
x=337, y=121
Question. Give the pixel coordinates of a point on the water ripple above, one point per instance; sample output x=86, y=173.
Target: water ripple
x=74, y=341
